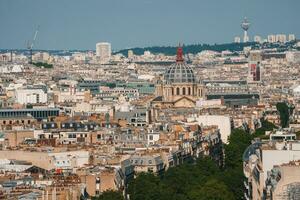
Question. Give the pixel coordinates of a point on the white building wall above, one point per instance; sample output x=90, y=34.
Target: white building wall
x=152, y=138
x=30, y=96
x=293, y=56
x=223, y=122
x=80, y=158
x=103, y=51
x=277, y=157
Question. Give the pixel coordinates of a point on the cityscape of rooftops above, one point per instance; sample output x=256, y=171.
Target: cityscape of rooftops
x=149, y=100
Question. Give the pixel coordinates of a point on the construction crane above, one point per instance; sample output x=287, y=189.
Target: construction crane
x=30, y=46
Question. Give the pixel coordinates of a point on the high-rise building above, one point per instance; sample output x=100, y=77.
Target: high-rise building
x=257, y=38
x=245, y=26
x=292, y=37
x=271, y=38
x=103, y=51
x=281, y=38
x=255, y=58
x=130, y=54
x=237, y=39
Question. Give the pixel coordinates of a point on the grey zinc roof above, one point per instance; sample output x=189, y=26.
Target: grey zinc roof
x=146, y=160
x=179, y=73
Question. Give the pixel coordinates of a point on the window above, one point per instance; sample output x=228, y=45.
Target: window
x=177, y=91
x=189, y=91
x=183, y=91
x=150, y=169
x=37, y=98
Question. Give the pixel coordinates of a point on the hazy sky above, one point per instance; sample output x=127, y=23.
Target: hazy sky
x=80, y=24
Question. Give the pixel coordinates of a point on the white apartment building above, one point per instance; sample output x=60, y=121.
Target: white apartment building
x=281, y=38
x=237, y=39
x=103, y=51
x=30, y=96
x=257, y=38
x=130, y=54
x=41, y=57
x=271, y=38
x=71, y=95
x=260, y=158
x=66, y=160
x=283, y=182
x=223, y=123
x=291, y=37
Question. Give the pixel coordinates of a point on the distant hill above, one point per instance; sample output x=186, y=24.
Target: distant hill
x=194, y=48
x=171, y=50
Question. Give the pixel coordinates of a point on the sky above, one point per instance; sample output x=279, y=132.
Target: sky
x=80, y=24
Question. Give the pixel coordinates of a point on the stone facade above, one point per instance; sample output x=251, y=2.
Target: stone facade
x=179, y=88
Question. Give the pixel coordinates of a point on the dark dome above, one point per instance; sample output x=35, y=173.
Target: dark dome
x=179, y=73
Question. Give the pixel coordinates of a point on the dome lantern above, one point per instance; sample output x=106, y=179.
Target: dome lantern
x=179, y=72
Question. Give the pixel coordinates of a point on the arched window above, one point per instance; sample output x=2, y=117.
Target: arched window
x=172, y=91
x=177, y=91
x=183, y=91
x=189, y=91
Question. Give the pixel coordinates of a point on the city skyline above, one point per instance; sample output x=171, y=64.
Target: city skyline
x=80, y=25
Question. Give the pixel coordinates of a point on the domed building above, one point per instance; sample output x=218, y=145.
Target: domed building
x=179, y=87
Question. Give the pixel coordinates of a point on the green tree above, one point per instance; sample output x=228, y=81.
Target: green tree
x=284, y=111
x=42, y=64
x=213, y=189
x=265, y=126
x=239, y=140
x=202, y=178
x=233, y=175
x=146, y=186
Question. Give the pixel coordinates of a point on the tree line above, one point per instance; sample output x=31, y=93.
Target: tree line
x=197, y=179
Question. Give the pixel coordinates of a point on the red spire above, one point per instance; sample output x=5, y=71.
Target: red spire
x=179, y=57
